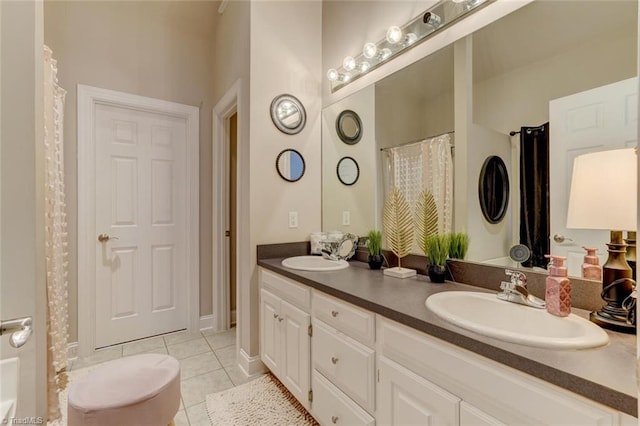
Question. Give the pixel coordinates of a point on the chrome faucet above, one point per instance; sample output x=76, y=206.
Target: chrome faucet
x=516, y=290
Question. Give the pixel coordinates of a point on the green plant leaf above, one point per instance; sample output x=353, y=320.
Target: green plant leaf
x=374, y=242
x=426, y=219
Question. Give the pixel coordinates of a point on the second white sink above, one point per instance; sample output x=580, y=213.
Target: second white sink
x=485, y=314
x=314, y=263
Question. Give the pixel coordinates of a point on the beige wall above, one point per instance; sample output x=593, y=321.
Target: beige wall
x=149, y=48
x=285, y=58
x=22, y=251
x=358, y=199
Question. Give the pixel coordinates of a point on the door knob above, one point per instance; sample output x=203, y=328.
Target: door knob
x=559, y=238
x=19, y=328
x=103, y=238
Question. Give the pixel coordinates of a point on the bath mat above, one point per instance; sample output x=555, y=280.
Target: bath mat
x=263, y=401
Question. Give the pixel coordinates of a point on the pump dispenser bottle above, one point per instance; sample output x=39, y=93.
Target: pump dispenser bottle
x=558, y=287
x=591, y=268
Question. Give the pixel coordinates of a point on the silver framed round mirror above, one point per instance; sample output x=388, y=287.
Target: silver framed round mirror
x=290, y=165
x=493, y=189
x=349, y=127
x=348, y=171
x=288, y=114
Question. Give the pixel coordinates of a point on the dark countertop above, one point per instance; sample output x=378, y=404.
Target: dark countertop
x=605, y=374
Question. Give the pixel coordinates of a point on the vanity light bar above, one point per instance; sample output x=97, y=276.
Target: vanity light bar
x=399, y=39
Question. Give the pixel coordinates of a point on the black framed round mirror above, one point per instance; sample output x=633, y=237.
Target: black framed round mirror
x=349, y=127
x=493, y=189
x=288, y=114
x=290, y=165
x=348, y=171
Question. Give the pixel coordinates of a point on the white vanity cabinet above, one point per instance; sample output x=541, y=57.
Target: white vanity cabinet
x=343, y=362
x=468, y=389
x=360, y=368
x=285, y=332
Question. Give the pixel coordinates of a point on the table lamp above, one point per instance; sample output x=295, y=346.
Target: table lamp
x=604, y=196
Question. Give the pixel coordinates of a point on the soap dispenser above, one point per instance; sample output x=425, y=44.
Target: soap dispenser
x=591, y=268
x=558, y=287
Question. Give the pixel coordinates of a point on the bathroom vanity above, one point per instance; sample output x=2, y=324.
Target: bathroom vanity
x=357, y=347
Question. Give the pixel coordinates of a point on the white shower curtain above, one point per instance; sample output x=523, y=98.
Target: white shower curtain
x=423, y=165
x=56, y=236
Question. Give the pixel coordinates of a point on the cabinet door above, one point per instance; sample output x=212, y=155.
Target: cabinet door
x=295, y=367
x=404, y=398
x=270, y=345
x=472, y=416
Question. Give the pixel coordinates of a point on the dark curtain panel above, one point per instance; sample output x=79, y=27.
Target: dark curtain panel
x=534, y=193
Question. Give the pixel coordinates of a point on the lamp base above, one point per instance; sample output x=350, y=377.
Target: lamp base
x=610, y=322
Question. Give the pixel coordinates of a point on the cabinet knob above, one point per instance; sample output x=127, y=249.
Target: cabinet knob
x=334, y=360
x=280, y=319
x=334, y=419
x=334, y=313
x=275, y=315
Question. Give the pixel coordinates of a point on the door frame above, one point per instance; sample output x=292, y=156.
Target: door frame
x=87, y=99
x=228, y=105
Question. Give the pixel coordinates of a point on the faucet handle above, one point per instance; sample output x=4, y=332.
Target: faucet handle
x=517, y=277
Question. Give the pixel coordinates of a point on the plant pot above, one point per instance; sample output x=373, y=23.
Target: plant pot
x=375, y=261
x=437, y=273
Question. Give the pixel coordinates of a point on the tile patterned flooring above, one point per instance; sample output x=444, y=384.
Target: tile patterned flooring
x=207, y=365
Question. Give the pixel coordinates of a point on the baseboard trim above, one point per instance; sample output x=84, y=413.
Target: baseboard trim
x=207, y=322
x=251, y=365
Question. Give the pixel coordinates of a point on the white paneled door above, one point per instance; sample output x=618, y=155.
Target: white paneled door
x=599, y=119
x=140, y=224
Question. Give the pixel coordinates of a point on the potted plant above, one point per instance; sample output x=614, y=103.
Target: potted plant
x=374, y=245
x=437, y=254
x=459, y=244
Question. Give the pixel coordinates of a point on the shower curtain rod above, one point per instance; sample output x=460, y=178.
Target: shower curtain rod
x=513, y=132
x=417, y=141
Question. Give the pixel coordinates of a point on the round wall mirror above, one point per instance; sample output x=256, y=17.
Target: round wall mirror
x=288, y=114
x=348, y=171
x=290, y=165
x=349, y=127
x=493, y=189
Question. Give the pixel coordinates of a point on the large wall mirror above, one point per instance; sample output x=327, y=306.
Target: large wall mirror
x=544, y=52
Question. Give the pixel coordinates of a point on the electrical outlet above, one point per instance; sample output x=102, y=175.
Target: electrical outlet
x=346, y=218
x=293, y=219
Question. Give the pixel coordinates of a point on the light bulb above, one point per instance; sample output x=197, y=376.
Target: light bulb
x=345, y=78
x=364, y=66
x=349, y=63
x=332, y=74
x=369, y=50
x=385, y=53
x=394, y=34
x=432, y=19
x=410, y=38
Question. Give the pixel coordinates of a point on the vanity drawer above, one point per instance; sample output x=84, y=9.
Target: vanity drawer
x=289, y=290
x=345, y=362
x=332, y=407
x=345, y=317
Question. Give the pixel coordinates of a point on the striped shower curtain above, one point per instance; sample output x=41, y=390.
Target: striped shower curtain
x=427, y=164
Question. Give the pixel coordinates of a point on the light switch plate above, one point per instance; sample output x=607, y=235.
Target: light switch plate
x=293, y=219
x=346, y=218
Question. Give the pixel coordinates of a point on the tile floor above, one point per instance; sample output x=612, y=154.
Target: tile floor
x=207, y=365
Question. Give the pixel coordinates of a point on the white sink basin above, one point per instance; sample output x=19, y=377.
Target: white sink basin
x=314, y=263
x=487, y=315
x=8, y=388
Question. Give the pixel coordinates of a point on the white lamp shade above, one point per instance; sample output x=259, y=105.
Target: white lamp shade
x=604, y=191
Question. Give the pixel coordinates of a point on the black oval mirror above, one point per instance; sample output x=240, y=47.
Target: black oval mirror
x=348, y=170
x=493, y=189
x=290, y=165
x=349, y=127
